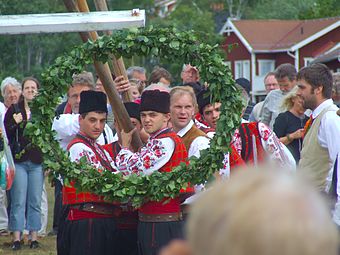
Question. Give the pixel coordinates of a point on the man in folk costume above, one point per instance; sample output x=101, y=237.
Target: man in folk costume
x=182, y=109
x=134, y=114
x=322, y=131
x=257, y=143
x=127, y=222
x=254, y=141
x=89, y=227
x=159, y=222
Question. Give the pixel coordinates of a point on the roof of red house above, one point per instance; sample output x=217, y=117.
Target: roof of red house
x=280, y=34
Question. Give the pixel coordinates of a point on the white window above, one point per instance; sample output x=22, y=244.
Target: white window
x=266, y=66
x=242, y=69
x=308, y=61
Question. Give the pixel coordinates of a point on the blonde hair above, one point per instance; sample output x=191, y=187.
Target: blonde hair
x=261, y=212
x=287, y=102
x=184, y=90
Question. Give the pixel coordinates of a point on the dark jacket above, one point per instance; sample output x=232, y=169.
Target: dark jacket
x=31, y=153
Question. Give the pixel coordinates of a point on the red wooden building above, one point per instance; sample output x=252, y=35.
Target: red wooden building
x=259, y=46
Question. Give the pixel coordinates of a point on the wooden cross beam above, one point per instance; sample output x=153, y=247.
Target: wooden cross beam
x=71, y=22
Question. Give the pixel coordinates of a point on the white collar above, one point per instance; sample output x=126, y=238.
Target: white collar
x=321, y=107
x=184, y=130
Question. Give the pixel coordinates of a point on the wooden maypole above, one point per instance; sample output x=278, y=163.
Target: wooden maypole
x=104, y=73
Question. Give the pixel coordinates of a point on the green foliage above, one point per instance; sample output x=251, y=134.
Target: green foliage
x=26, y=55
x=171, y=45
x=322, y=9
x=277, y=9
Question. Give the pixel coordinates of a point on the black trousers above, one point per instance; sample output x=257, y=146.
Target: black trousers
x=152, y=236
x=58, y=199
x=87, y=237
x=127, y=242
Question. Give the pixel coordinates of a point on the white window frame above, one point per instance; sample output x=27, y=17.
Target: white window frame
x=307, y=61
x=244, y=72
x=262, y=62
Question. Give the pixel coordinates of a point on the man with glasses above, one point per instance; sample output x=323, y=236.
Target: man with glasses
x=285, y=75
x=270, y=83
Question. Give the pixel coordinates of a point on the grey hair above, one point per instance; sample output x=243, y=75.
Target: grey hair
x=85, y=78
x=133, y=69
x=9, y=81
x=160, y=86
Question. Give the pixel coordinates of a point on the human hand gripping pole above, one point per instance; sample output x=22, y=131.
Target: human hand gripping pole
x=127, y=138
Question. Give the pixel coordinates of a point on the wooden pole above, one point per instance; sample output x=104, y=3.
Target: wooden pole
x=117, y=64
x=104, y=74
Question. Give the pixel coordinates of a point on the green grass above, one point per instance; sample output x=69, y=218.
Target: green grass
x=48, y=244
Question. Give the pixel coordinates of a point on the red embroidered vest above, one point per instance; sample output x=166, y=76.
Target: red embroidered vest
x=179, y=155
x=235, y=159
x=247, y=132
x=113, y=149
x=70, y=194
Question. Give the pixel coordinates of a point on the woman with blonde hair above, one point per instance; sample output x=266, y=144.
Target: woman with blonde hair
x=289, y=125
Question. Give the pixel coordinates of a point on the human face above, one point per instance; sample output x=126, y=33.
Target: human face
x=136, y=123
x=189, y=74
x=93, y=124
x=211, y=114
x=139, y=76
x=164, y=81
x=30, y=90
x=74, y=96
x=270, y=83
x=99, y=86
x=134, y=92
x=286, y=85
x=298, y=104
x=307, y=94
x=182, y=111
x=154, y=121
x=11, y=95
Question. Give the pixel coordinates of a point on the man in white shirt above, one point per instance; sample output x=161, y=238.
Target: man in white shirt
x=321, y=142
x=182, y=111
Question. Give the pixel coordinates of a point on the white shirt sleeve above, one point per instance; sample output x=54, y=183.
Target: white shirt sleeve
x=198, y=144
x=154, y=155
x=276, y=150
x=79, y=150
x=66, y=126
x=330, y=129
x=336, y=211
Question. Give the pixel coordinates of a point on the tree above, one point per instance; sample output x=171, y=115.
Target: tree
x=24, y=55
x=277, y=9
x=322, y=9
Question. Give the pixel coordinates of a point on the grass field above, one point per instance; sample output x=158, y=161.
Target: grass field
x=48, y=244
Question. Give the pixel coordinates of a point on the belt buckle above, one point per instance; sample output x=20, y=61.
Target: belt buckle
x=86, y=206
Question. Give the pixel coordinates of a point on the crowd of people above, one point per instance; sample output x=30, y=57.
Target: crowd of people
x=294, y=131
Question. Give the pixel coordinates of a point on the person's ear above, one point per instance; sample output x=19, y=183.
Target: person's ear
x=318, y=90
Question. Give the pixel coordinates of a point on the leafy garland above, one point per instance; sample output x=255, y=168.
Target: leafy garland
x=168, y=44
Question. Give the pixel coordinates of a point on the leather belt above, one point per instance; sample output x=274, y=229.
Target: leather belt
x=98, y=208
x=167, y=217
